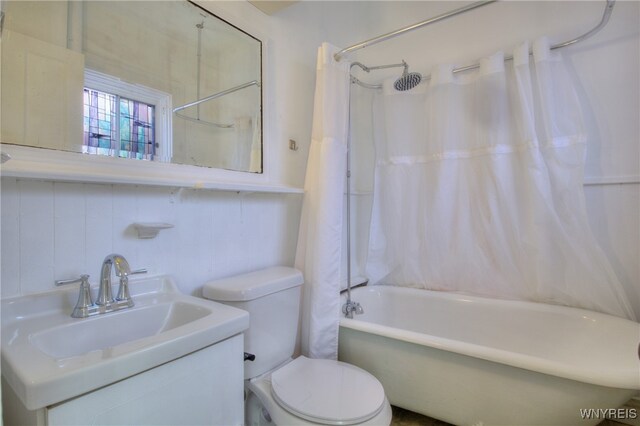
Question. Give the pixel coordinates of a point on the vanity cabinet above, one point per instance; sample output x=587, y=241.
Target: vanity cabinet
x=204, y=387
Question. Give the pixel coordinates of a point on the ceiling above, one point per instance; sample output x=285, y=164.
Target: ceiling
x=270, y=7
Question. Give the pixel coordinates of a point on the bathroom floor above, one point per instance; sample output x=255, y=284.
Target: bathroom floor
x=402, y=417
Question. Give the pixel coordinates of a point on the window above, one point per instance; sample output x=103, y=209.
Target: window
x=118, y=126
x=125, y=120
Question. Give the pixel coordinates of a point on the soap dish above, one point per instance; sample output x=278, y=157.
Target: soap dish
x=150, y=229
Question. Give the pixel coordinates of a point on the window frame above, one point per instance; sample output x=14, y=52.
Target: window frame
x=137, y=92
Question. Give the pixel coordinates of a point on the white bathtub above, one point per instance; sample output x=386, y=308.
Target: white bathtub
x=471, y=361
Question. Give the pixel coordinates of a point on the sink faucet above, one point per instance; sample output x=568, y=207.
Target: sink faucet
x=85, y=307
x=122, y=269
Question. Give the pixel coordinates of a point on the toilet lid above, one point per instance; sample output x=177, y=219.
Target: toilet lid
x=327, y=392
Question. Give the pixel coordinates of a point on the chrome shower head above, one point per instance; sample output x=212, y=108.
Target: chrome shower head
x=408, y=80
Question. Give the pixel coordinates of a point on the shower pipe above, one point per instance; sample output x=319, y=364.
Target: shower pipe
x=350, y=307
x=603, y=22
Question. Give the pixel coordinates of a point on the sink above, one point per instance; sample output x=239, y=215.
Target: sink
x=49, y=357
x=100, y=333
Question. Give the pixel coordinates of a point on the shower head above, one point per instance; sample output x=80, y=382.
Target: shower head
x=408, y=80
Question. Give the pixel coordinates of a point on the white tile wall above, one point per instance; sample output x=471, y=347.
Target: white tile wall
x=9, y=239
x=36, y=234
x=614, y=219
x=58, y=230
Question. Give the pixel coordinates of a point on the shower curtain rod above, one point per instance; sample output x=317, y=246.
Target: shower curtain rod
x=217, y=95
x=410, y=28
x=211, y=97
x=605, y=19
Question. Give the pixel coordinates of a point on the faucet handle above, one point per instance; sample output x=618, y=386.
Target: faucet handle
x=123, y=290
x=72, y=281
x=84, y=306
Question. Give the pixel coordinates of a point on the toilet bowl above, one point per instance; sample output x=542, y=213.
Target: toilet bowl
x=282, y=391
x=316, y=392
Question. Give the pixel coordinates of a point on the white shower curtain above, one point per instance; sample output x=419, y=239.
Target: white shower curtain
x=318, y=254
x=478, y=187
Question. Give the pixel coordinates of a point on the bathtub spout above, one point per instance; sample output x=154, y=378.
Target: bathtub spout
x=350, y=307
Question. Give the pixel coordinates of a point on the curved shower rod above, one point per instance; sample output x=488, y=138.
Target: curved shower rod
x=603, y=22
x=394, y=34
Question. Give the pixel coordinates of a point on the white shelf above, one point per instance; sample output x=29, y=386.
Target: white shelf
x=45, y=164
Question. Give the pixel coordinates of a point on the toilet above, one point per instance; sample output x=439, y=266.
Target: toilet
x=283, y=391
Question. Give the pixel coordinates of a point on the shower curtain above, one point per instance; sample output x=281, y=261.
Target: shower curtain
x=247, y=154
x=478, y=187
x=318, y=254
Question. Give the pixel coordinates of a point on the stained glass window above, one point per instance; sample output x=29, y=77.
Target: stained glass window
x=117, y=126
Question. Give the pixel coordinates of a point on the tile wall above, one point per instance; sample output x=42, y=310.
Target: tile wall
x=59, y=230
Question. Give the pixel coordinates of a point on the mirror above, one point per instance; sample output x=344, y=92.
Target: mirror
x=152, y=80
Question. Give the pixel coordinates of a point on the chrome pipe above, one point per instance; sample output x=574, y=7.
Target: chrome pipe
x=199, y=26
x=346, y=309
x=382, y=67
x=415, y=26
x=605, y=19
x=355, y=80
x=608, y=9
x=217, y=95
x=350, y=306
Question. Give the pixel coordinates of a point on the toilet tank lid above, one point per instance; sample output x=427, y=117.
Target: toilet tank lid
x=241, y=288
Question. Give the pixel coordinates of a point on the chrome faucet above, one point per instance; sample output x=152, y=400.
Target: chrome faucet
x=121, y=266
x=351, y=307
x=105, y=302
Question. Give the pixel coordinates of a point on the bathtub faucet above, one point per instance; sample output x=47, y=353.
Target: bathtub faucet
x=350, y=307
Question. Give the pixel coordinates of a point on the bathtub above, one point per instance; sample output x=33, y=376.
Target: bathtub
x=475, y=361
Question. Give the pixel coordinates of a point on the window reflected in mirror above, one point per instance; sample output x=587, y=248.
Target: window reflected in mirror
x=117, y=126
x=157, y=81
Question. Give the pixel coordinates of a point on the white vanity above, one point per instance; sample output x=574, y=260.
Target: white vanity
x=171, y=359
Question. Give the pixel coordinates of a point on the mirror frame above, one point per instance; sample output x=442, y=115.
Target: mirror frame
x=48, y=164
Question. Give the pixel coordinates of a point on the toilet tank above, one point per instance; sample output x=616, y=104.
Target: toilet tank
x=272, y=298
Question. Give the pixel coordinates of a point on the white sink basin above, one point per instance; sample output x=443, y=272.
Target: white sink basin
x=48, y=357
x=103, y=332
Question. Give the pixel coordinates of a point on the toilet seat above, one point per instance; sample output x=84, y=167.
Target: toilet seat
x=327, y=392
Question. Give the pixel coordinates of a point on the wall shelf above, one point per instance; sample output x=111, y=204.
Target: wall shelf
x=46, y=164
x=147, y=230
